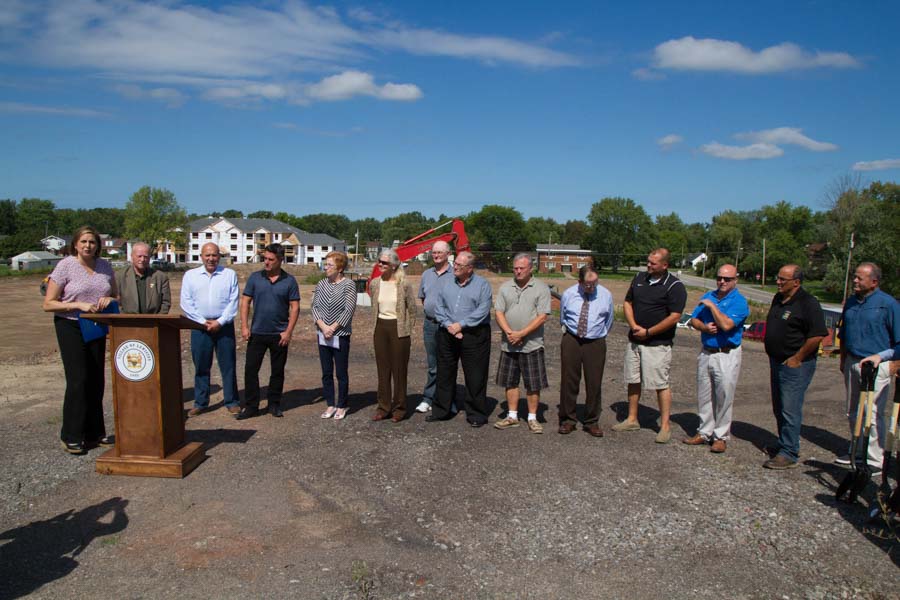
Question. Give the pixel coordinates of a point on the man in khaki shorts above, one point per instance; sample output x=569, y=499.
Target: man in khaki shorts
x=653, y=305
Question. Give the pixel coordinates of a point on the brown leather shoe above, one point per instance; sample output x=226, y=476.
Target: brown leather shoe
x=196, y=411
x=780, y=463
x=594, y=430
x=718, y=446
x=566, y=428
x=697, y=440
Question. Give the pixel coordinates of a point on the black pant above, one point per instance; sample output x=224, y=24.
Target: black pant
x=256, y=351
x=83, y=364
x=474, y=351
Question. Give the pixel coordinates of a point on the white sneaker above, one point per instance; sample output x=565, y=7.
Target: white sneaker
x=423, y=407
x=843, y=459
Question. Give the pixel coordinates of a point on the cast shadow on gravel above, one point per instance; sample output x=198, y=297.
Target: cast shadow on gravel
x=857, y=514
x=213, y=437
x=766, y=441
x=649, y=417
x=523, y=409
x=43, y=551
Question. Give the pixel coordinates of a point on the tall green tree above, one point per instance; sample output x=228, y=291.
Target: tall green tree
x=261, y=214
x=404, y=226
x=577, y=232
x=7, y=217
x=154, y=214
x=233, y=214
x=329, y=224
x=621, y=231
x=544, y=230
x=35, y=219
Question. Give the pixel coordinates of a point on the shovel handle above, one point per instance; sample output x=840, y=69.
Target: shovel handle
x=860, y=410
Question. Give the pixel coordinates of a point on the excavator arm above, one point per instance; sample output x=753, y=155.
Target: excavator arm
x=415, y=246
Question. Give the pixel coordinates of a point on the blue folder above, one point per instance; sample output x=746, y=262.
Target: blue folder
x=92, y=330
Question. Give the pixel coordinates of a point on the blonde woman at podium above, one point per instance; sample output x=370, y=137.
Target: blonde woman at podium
x=82, y=283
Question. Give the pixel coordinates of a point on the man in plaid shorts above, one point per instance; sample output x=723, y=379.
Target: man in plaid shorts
x=521, y=308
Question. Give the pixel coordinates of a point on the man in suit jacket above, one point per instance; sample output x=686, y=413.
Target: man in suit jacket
x=141, y=289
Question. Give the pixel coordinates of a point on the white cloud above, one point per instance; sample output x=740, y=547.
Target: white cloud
x=18, y=107
x=169, y=96
x=645, y=74
x=877, y=165
x=753, y=151
x=356, y=83
x=692, y=54
x=234, y=52
x=786, y=135
x=668, y=142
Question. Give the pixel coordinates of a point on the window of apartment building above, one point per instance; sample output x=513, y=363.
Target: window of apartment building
x=208, y=235
x=249, y=247
x=195, y=258
x=249, y=236
x=310, y=260
x=310, y=248
x=195, y=246
x=234, y=236
x=324, y=248
x=550, y=265
x=276, y=236
x=195, y=235
x=234, y=247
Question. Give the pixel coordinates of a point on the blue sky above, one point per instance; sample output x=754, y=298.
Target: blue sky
x=372, y=109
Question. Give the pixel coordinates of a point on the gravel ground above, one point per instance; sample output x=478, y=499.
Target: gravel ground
x=308, y=508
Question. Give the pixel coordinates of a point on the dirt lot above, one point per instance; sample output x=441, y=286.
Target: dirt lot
x=307, y=508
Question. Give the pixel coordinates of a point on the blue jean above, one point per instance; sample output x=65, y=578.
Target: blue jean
x=429, y=337
x=788, y=391
x=335, y=360
x=203, y=345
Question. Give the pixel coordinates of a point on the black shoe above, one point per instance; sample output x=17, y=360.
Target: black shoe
x=275, y=411
x=432, y=418
x=477, y=423
x=107, y=441
x=247, y=413
x=74, y=447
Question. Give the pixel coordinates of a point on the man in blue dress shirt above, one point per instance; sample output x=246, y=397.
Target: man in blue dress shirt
x=870, y=324
x=586, y=313
x=463, y=313
x=209, y=295
x=720, y=320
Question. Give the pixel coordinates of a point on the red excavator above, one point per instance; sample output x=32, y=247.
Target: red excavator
x=415, y=246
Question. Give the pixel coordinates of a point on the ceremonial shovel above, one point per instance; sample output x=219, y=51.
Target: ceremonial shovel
x=860, y=472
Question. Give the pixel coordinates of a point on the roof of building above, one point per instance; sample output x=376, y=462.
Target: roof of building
x=559, y=248
x=37, y=255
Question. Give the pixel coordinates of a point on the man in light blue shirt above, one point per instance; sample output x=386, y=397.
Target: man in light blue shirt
x=870, y=324
x=463, y=312
x=586, y=313
x=433, y=281
x=209, y=295
x=719, y=317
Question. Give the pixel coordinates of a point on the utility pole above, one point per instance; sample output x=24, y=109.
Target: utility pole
x=356, y=253
x=737, y=258
x=707, y=258
x=764, y=263
x=849, y=258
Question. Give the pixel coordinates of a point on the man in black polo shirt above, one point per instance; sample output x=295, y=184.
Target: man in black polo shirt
x=794, y=327
x=653, y=305
x=276, y=304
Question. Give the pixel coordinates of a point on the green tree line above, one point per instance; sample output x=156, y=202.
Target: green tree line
x=618, y=231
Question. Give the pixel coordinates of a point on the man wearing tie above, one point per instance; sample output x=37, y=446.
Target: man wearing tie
x=586, y=313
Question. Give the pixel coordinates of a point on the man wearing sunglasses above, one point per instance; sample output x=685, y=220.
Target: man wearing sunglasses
x=720, y=319
x=795, y=326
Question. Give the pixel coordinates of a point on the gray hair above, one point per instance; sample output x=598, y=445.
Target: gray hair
x=467, y=255
x=392, y=257
x=874, y=270
x=523, y=256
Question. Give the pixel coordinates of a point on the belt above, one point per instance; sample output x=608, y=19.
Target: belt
x=725, y=350
x=427, y=318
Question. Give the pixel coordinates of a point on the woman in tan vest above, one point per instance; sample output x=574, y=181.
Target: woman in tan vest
x=394, y=304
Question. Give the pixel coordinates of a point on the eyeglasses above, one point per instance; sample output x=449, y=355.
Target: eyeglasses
x=783, y=279
x=460, y=265
x=384, y=263
x=725, y=278
x=329, y=265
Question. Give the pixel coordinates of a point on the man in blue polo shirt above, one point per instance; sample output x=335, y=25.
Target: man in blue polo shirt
x=276, y=303
x=720, y=319
x=870, y=323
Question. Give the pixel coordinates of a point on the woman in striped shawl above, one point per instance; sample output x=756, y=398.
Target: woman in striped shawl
x=334, y=301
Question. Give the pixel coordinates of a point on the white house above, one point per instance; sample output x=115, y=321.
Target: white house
x=241, y=241
x=34, y=259
x=54, y=243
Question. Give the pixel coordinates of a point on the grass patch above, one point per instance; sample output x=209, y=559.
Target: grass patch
x=6, y=271
x=314, y=278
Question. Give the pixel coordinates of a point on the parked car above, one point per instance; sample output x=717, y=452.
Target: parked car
x=756, y=331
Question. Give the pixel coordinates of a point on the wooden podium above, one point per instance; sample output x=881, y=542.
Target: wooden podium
x=145, y=355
